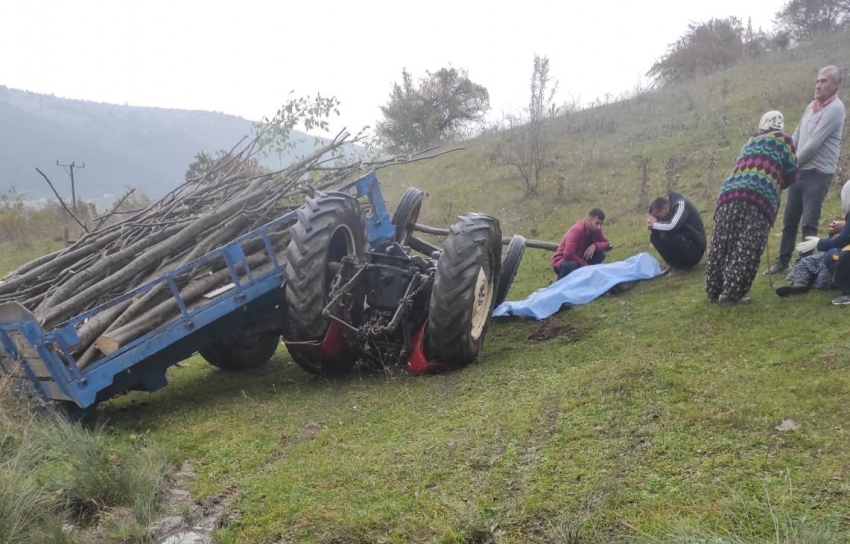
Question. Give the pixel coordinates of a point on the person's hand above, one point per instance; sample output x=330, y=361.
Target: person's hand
x=835, y=227
x=650, y=221
x=809, y=245
x=588, y=253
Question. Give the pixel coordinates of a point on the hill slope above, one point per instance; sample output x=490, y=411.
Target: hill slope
x=649, y=417
x=147, y=148
x=696, y=127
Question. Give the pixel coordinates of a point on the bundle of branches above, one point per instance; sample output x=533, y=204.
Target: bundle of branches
x=204, y=213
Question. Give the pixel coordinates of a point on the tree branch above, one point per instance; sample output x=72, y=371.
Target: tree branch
x=62, y=201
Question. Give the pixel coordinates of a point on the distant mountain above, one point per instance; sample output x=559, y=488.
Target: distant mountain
x=147, y=148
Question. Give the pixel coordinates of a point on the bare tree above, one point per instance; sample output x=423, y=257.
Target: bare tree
x=524, y=145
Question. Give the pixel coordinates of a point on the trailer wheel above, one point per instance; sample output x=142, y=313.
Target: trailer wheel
x=510, y=266
x=464, y=292
x=330, y=227
x=407, y=213
x=250, y=351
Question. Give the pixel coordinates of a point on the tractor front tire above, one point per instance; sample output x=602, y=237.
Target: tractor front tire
x=510, y=266
x=250, y=351
x=407, y=213
x=464, y=291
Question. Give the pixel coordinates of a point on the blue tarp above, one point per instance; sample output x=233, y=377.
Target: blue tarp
x=580, y=287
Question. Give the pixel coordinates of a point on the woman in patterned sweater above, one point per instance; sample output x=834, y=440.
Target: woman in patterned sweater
x=746, y=210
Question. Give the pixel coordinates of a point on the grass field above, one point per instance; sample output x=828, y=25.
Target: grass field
x=650, y=416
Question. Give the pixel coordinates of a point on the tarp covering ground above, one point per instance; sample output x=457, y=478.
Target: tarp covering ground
x=580, y=287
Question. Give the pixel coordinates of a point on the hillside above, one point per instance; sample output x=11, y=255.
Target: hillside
x=147, y=148
x=649, y=417
x=698, y=127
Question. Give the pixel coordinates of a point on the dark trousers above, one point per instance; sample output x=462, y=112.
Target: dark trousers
x=567, y=267
x=676, y=249
x=842, y=273
x=802, y=204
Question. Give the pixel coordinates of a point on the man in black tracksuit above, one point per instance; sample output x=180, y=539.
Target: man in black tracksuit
x=677, y=232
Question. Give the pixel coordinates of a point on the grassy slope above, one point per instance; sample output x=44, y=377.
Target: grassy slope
x=659, y=420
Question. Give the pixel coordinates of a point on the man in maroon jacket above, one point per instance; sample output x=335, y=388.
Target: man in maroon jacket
x=583, y=244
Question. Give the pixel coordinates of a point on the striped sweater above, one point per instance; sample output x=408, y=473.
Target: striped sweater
x=767, y=164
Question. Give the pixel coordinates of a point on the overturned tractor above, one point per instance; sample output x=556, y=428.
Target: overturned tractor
x=356, y=292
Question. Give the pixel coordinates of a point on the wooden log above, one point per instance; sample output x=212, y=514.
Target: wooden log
x=69, y=300
x=59, y=262
x=111, y=342
x=537, y=244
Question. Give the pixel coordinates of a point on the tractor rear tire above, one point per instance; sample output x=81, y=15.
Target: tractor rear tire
x=251, y=351
x=318, y=365
x=330, y=227
x=510, y=266
x=464, y=291
x=407, y=213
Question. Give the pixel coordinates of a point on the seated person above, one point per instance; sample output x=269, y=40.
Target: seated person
x=582, y=245
x=676, y=231
x=831, y=267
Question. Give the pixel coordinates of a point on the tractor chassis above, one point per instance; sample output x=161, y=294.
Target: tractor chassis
x=390, y=327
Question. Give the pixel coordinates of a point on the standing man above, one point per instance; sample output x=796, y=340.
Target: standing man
x=582, y=245
x=818, y=139
x=677, y=232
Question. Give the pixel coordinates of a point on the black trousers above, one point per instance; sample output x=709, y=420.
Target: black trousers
x=676, y=249
x=802, y=205
x=842, y=273
x=568, y=267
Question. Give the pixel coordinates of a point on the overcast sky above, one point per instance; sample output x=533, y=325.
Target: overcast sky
x=244, y=57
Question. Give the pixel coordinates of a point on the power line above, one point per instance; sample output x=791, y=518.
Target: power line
x=69, y=169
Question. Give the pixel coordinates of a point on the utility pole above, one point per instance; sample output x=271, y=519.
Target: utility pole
x=69, y=169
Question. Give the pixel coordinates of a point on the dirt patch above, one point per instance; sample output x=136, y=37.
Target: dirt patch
x=621, y=288
x=196, y=520
x=547, y=330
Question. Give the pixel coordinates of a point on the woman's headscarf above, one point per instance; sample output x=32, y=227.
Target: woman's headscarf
x=771, y=120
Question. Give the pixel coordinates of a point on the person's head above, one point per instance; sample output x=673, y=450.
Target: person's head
x=659, y=208
x=771, y=120
x=828, y=82
x=595, y=219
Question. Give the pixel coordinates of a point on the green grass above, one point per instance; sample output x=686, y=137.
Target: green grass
x=659, y=421
x=654, y=422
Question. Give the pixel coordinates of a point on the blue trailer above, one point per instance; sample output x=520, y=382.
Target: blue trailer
x=346, y=284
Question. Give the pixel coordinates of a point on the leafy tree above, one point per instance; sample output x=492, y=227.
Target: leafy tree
x=804, y=18
x=705, y=48
x=275, y=135
x=441, y=109
x=202, y=164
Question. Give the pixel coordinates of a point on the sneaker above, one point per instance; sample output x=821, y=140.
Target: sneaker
x=843, y=300
x=777, y=267
x=672, y=271
x=793, y=289
x=726, y=300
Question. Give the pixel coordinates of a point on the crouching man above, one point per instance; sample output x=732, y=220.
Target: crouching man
x=676, y=232
x=831, y=267
x=582, y=245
